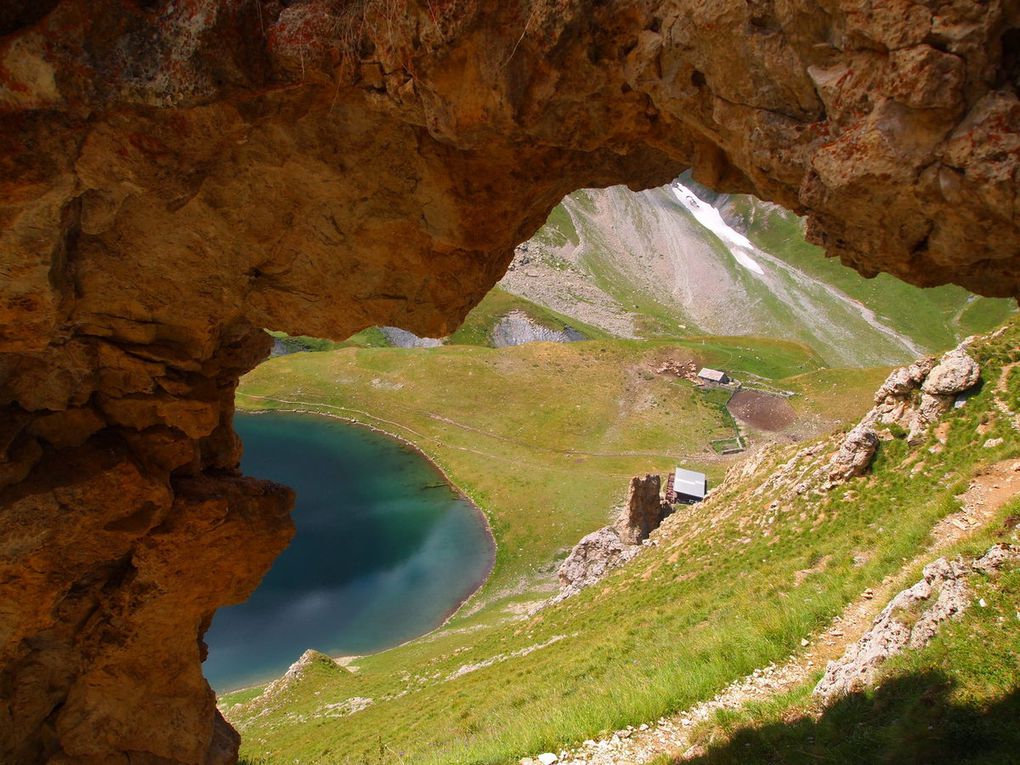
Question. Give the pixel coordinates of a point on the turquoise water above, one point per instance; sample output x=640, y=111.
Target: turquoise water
x=385, y=549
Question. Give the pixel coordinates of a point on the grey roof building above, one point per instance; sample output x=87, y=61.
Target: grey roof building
x=689, y=485
x=714, y=375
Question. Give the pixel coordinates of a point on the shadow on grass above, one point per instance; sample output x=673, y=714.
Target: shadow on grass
x=909, y=720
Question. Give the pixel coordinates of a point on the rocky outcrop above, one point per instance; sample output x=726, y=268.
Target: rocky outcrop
x=900, y=401
x=644, y=511
x=125, y=526
x=176, y=176
x=910, y=620
x=591, y=559
x=894, y=400
x=517, y=328
x=401, y=338
x=605, y=549
x=955, y=373
x=854, y=455
x=915, y=397
x=998, y=556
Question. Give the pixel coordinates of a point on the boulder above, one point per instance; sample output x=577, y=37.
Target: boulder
x=929, y=410
x=903, y=381
x=955, y=373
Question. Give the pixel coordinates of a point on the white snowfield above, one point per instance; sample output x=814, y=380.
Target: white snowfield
x=738, y=244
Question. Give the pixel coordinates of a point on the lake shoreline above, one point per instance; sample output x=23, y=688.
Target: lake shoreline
x=493, y=544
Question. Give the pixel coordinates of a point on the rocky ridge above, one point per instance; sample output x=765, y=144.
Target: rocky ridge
x=177, y=176
x=906, y=400
x=914, y=398
x=911, y=620
x=401, y=338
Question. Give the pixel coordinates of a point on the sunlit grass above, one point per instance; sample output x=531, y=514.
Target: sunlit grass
x=717, y=598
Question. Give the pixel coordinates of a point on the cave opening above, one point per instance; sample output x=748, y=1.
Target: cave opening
x=553, y=314
x=177, y=176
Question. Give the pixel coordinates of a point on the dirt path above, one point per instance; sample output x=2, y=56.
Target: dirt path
x=987, y=493
x=1013, y=418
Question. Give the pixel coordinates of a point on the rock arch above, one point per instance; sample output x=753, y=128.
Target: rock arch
x=176, y=176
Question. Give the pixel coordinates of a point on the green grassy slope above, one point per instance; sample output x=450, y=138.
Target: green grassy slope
x=716, y=598
x=957, y=700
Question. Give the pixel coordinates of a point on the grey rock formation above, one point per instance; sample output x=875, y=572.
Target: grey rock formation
x=901, y=383
x=854, y=455
x=916, y=396
x=517, y=328
x=591, y=559
x=909, y=621
x=401, y=338
x=602, y=550
x=998, y=555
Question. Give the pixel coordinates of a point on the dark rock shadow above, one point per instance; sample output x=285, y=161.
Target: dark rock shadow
x=909, y=720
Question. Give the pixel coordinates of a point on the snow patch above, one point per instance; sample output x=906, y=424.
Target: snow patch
x=738, y=244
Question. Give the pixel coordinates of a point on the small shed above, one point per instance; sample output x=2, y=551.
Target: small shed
x=689, y=486
x=714, y=376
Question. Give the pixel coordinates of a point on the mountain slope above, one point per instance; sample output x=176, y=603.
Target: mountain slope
x=731, y=585
x=680, y=260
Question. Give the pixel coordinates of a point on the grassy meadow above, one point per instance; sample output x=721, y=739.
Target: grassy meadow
x=957, y=700
x=544, y=437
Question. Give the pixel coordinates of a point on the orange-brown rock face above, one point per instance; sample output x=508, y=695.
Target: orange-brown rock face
x=175, y=176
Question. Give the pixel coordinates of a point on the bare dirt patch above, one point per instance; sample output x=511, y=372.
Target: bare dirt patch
x=762, y=411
